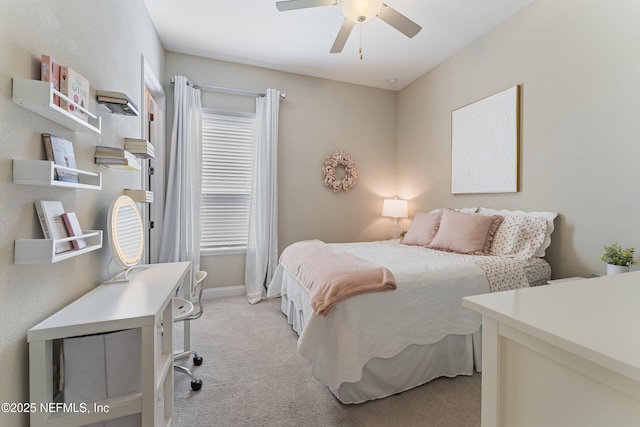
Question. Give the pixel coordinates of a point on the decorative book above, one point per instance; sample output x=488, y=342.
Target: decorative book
x=140, y=148
x=116, y=157
x=50, y=217
x=117, y=102
x=140, y=196
x=113, y=152
x=50, y=72
x=73, y=228
x=76, y=87
x=60, y=151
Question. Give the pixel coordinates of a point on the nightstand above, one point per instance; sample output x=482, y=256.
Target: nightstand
x=568, y=279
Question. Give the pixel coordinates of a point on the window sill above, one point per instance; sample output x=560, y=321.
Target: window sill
x=223, y=251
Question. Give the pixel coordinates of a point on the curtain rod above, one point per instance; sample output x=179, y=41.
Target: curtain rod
x=227, y=90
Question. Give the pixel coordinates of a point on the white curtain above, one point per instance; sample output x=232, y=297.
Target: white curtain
x=262, y=247
x=181, y=229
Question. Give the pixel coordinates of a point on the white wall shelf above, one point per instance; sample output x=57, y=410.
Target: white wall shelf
x=42, y=173
x=43, y=251
x=37, y=96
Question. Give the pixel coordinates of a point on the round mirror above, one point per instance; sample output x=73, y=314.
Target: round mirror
x=125, y=232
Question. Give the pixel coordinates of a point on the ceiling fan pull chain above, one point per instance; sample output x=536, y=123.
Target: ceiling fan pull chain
x=360, y=48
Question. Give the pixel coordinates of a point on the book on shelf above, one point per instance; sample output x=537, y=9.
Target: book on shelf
x=140, y=148
x=72, y=225
x=60, y=152
x=140, y=196
x=115, y=152
x=112, y=94
x=50, y=72
x=76, y=87
x=52, y=223
x=116, y=157
x=117, y=102
x=137, y=143
x=119, y=163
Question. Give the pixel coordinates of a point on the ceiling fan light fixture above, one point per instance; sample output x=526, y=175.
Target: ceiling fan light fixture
x=361, y=11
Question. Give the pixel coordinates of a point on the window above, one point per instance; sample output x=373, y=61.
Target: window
x=227, y=169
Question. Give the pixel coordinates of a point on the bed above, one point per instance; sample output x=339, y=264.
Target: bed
x=376, y=344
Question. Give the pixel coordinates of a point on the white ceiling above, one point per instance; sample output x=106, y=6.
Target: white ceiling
x=254, y=32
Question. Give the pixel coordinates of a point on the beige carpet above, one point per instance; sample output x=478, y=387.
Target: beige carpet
x=253, y=376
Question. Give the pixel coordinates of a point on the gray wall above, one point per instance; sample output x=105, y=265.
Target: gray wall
x=105, y=42
x=578, y=64
x=318, y=117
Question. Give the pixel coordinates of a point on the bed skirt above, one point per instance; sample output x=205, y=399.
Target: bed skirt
x=415, y=365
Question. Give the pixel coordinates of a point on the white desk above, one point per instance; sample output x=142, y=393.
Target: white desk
x=141, y=303
x=566, y=354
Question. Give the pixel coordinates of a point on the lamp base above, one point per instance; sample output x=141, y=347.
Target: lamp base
x=394, y=233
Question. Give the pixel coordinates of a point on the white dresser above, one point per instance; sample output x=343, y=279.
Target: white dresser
x=142, y=303
x=566, y=354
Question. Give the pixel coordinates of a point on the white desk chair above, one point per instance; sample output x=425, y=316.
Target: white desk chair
x=183, y=309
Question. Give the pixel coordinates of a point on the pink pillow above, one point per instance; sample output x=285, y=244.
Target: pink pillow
x=465, y=233
x=423, y=227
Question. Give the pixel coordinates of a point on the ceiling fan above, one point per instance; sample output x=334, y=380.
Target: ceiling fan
x=356, y=12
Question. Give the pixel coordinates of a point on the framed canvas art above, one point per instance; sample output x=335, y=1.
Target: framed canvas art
x=484, y=144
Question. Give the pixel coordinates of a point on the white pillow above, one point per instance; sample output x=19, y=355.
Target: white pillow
x=465, y=210
x=548, y=216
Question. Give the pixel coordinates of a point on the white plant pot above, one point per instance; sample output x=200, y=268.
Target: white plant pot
x=616, y=269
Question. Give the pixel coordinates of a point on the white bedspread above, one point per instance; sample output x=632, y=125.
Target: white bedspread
x=377, y=325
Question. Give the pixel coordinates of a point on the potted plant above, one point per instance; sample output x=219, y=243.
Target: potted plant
x=618, y=259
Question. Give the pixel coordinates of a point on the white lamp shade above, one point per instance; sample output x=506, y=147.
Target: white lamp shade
x=394, y=208
x=361, y=11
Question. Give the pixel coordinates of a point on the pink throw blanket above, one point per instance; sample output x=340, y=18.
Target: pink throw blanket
x=331, y=275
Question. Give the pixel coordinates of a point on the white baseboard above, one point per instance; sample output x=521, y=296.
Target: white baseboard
x=224, y=292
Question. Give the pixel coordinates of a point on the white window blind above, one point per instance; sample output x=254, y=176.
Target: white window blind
x=227, y=170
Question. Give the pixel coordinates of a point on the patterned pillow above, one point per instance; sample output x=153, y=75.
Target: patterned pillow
x=548, y=216
x=422, y=229
x=518, y=237
x=465, y=233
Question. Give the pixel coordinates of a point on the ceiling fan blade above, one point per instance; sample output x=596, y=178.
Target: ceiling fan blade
x=398, y=21
x=343, y=35
x=303, y=4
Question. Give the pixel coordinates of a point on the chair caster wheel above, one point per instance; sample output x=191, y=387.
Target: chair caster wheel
x=196, y=385
x=197, y=360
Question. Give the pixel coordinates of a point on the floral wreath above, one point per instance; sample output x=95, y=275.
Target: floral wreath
x=329, y=170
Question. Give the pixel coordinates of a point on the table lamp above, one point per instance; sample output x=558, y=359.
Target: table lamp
x=395, y=209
